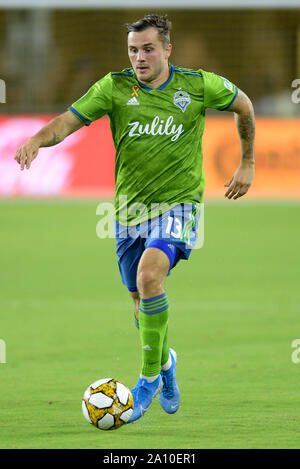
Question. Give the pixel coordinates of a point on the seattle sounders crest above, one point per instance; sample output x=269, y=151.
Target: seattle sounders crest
x=182, y=99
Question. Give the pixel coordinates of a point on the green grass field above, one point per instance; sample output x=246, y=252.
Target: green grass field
x=67, y=320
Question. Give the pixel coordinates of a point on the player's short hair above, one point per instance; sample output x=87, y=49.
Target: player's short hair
x=161, y=23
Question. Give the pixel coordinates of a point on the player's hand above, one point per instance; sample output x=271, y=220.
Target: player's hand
x=241, y=181
x=26, y=154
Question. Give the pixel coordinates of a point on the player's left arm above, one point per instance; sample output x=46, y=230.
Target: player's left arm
x=242, y=179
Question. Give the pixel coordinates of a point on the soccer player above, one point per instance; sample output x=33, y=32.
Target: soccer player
x=157, y=113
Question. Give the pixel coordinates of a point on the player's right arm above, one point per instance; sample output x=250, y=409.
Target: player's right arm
x=52, y=133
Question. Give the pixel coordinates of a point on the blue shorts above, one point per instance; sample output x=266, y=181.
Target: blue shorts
x=174, y=232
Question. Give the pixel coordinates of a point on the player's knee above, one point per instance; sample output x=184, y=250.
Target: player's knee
x=148, y=280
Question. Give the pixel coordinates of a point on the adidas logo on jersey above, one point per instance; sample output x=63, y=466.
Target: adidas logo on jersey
x=133, y=102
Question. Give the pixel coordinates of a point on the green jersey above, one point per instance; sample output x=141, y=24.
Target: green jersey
x=157, y=133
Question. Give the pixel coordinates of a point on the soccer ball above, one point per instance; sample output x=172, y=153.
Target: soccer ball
x=107, y=404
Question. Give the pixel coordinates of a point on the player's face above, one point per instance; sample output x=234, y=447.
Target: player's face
x=149, y=56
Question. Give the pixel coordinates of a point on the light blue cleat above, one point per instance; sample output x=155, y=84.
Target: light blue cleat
x=170, y=396
x=143, y=394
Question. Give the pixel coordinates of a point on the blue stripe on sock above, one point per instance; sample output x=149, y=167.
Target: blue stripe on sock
x=160, y=310
x=149, y=300
x=154, y=305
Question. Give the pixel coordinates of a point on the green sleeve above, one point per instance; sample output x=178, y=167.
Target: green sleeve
x=96, y=102
x=219, y=93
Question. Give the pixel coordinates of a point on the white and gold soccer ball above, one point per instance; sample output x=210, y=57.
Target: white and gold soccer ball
x=107, y=404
